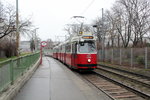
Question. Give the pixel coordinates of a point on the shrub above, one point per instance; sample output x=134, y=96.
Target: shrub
x=140, y=60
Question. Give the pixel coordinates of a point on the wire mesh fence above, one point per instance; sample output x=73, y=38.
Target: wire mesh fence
x=148, y=58
x=48, y=52
x=11, y=69
x=132, y=57
x=4, y=74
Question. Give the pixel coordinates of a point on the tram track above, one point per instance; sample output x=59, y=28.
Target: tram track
x=113, y=89
x=133, y=78
x=139, y=84
x=118, y=87
x=125, y=71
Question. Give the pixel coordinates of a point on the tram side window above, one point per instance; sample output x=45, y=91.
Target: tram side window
x=63, y=48
x=68, y=48
x=74, y=48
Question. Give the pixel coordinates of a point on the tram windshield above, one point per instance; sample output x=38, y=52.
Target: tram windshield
x=86, y=47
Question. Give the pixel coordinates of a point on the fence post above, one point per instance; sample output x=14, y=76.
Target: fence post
x=105, y=55
x=112, y=55
x=145, y=57
x=131, y=57
x=20, y=60
x=120, y=56
x=100, y=56
x=11, y=72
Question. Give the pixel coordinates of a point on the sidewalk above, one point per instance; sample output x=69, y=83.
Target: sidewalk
x=54, y=81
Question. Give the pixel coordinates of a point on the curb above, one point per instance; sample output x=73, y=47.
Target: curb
x=18, y=84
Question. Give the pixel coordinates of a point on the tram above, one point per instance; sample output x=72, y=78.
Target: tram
x=78, y=52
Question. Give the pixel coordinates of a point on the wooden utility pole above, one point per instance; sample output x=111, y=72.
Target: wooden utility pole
x=17, y=29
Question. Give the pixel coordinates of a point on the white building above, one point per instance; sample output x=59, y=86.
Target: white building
x=24, y=46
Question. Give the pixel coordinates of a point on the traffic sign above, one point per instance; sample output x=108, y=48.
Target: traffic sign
x=43, y=43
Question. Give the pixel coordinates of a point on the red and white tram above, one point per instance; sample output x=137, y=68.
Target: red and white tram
x=79, y=52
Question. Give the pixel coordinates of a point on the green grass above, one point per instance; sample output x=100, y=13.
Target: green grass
x=142, y=71
x=3, y=59
x=13, y=57
x=24, y=54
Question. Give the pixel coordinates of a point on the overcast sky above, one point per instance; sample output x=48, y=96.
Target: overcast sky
x=50, y=16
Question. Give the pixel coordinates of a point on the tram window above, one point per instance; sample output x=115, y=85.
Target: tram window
x=87, y=47
x=68, y=48
x=74, y=48
x=63, y=48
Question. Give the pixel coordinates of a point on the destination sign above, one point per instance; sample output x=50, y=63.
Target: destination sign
x=87, y=37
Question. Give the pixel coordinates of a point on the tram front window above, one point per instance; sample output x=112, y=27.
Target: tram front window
x=87, y=47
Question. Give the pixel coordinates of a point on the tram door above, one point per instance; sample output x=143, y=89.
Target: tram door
x=74, y=55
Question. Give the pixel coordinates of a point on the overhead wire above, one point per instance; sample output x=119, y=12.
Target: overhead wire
x=89, y=5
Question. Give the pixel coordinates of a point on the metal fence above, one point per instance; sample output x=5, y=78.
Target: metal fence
x=11, y=69
x=133, y=57
x=48, y=52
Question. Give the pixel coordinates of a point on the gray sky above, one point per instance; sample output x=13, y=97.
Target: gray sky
x=50, y=16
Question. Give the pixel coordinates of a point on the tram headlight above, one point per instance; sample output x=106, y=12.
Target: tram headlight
x=89, y=60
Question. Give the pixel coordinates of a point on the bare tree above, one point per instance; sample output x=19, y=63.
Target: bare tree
x=112, y=33
x=8, y=29
x=7, y=23
x=123, y=21
x=141, y=20
x=49, y=44
x=25, y=27
x=98, y=25
x=75, y=29
x=134, y=20
x=8, y=20
x=67, y=28
x=126, y=24
x=105, y=29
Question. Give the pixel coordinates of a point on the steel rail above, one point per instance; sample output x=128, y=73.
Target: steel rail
x=126, y=77
x=146, y=96
x=133, y=73
x=100, y=89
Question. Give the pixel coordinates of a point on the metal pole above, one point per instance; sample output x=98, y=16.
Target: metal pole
x=105, y=54
x=120, y=56
x=35, y=41
x=102, y=37
x=131, y=57
x=145, y=57
x=11, y=72
x=17, y=29
x=112, y=55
